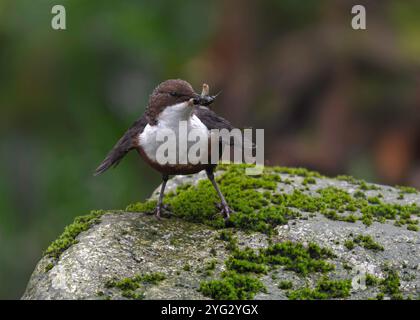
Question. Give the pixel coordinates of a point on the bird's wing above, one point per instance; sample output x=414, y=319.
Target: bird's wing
x=127, y=142
x=211, y=120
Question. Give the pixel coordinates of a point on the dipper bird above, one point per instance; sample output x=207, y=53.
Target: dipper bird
x=172, y=101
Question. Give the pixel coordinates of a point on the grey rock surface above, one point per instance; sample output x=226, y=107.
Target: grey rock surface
x=125, y=244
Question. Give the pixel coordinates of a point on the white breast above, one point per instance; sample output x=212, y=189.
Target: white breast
x=170, y=119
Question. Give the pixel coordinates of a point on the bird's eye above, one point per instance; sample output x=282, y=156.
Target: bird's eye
x=174, y=94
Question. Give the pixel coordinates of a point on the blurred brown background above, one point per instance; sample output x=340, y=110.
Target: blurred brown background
x=330, y=98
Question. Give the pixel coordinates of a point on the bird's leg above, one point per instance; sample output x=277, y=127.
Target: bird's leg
x=225, y=210
x=160, y=205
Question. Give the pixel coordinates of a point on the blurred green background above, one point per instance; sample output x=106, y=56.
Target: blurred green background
x=329, y=98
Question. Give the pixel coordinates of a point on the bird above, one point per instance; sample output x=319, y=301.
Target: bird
x=172, y=101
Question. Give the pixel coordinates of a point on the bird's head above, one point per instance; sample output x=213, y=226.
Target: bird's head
x=176, y=94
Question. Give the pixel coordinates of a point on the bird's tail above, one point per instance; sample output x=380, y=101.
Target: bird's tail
x=129, y=141
x=121, y=148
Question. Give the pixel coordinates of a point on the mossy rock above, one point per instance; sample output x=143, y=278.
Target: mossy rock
x=290, y=226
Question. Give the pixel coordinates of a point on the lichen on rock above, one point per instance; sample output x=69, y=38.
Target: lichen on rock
x=290, y=226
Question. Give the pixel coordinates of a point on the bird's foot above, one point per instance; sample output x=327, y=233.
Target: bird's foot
x=162, y=211
x=224, y=210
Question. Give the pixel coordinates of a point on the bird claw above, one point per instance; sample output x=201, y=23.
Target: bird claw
x=224, y=210
x=162, y=210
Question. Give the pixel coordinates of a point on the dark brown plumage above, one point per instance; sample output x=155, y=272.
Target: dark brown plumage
x=123, y=146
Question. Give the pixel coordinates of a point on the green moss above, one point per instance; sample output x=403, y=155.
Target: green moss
x=248, y=196
x=347, y=267
x=349, y=244
x=232, y=286
x=184, y=186
x=334, y=288
x=186, y=267
x=371, y=280
x=129, y=294
x=374, y=200
x=49, y=267
x=361, y=183
x=301, y=172
x=197, y=205
x=232, y=242
x=412, y=227
x=404, y=189
x=258, y=206
x=308, y=180
x=306, y=294
x=153, y=278
x=296, y=257
x=68, y=237
x=248, y=262
x=317, y=252
x=364, y=241
x=293, y=256
x=365, y=186
x=135, y=282
x=384, y=211
x=248, y=255
x=367, y=220
x=348, y=179
x=391, y=285
x=129, y=287
x=103, y=296
x=333, y=200
x=243, y=266
x=329, y=201
x=264, y=220
x=285, y=285
x=367, y=242
x=350, y=218
x=147, y=206
x=226, y=235
x=210, y=265
x=325, y=289
x=359, y=194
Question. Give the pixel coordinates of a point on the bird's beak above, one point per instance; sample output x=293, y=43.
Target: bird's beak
x=204, y=100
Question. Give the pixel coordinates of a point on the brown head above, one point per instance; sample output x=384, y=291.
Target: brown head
x=172, y=92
